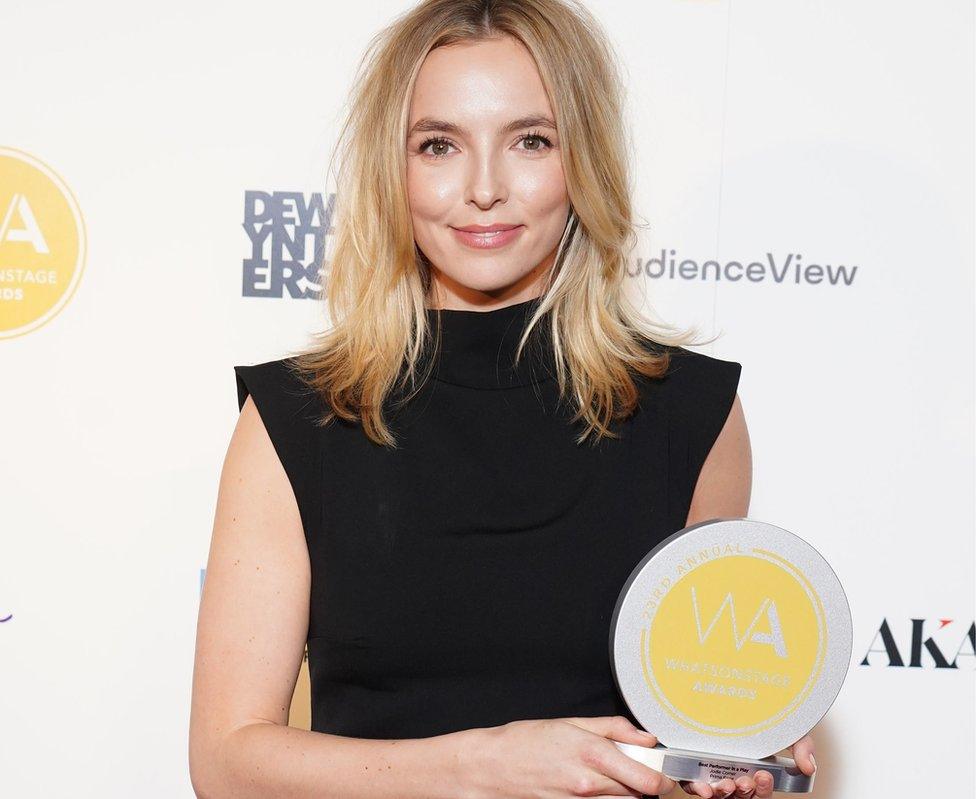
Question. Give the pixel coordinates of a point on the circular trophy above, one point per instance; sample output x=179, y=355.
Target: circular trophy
x=729, y=641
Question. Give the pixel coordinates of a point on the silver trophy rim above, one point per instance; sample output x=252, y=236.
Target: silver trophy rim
x=806, y=716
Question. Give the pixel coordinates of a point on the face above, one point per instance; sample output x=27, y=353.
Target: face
x=483, y=152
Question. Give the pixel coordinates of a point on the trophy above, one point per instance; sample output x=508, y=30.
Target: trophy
x=729, y=641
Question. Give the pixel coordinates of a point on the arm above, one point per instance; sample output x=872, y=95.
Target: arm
x=724, y=485
x=251, y=632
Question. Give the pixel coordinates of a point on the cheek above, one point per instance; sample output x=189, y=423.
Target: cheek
x=431, y=193
x=542, y=192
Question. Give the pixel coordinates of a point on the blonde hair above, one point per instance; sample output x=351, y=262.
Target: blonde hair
x=377, y=281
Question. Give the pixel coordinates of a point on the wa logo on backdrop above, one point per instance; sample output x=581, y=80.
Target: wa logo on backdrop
x=287, y=236
x=42, y=243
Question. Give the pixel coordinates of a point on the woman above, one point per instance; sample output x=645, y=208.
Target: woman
x=444, y=495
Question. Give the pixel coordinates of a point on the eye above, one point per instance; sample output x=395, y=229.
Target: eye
x=537, y=137
x=439, y=141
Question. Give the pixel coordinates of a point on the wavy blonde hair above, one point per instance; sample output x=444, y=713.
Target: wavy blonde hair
x=377, y=283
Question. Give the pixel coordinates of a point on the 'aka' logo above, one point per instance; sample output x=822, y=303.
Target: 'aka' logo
x=937, y=654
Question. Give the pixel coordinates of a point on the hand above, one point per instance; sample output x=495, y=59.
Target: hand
x=757, y=786
x=559, y=758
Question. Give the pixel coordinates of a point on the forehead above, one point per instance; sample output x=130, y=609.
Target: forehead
x=485, y=80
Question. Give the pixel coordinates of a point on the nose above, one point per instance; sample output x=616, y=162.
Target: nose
x=487, y=181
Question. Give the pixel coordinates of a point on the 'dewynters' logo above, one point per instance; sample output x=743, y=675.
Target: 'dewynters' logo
x=287, y=235
x=42, y=243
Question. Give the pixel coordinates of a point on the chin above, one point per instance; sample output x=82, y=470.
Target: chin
x=487, y=277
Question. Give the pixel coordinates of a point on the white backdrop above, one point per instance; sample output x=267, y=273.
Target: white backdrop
x=830, y=134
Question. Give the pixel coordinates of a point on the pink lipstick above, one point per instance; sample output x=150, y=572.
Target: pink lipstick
x=486, y=237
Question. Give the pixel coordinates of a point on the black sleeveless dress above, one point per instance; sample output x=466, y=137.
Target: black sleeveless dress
x=467, y=578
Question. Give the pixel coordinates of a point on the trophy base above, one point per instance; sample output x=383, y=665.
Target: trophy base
x=684, y=764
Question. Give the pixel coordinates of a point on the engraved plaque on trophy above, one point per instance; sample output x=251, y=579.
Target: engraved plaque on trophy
x=729, y=641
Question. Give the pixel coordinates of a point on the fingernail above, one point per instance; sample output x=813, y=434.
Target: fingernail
x=814, y=761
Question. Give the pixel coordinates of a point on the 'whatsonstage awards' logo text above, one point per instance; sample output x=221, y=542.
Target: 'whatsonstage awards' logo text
x=287, y=236
x=947, y=646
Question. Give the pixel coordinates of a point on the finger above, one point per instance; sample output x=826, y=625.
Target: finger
x=723, y=788
x=617, y=728
x=745, y=787
x=603, y=726
x=613, y=763
x=622, y=729
x=696, y=788
x=595, y=785
x=622, y=790
x=764, y=784
x=803, y=755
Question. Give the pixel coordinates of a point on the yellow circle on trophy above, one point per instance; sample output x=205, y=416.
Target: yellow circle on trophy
x=42, y=243
x=718, y=653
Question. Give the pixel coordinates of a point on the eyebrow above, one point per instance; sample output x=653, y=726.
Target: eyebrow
x=428, y=124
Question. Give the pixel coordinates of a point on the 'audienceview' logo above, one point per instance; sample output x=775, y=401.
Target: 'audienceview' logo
x=42, y=243
x=287, y=235
x=923, y=650
x=790, y=269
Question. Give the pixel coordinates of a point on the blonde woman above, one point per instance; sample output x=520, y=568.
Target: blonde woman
x=444, y=493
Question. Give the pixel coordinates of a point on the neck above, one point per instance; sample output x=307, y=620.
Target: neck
x=477, y=348
x=457, y=304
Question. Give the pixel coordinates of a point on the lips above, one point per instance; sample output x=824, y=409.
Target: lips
x=487, y=228
x=481, y=237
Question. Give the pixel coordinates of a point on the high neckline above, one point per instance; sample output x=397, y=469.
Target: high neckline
x=477, y=348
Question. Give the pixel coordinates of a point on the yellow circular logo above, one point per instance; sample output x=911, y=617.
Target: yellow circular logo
x=42, y=243
x=736, y=644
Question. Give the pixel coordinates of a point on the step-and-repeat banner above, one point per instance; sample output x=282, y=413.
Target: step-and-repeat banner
x=806, y=171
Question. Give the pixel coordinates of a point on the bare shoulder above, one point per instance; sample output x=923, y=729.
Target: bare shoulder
x=253, y=617
x=724, y=486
